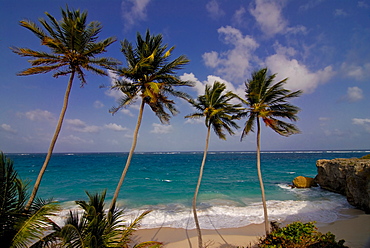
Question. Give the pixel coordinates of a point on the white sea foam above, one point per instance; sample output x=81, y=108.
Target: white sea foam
x=325, y=211
x=310, y=205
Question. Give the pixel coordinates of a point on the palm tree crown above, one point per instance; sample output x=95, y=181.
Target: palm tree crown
x=150, y=75
x=215, y=106
x=270, y=102
x=73, y=45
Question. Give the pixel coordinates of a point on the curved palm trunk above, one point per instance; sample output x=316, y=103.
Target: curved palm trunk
x=267, y=226
x=133, y=146
x=52, y=143
x=200, y=241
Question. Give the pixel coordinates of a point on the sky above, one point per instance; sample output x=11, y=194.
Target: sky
x=321, y=46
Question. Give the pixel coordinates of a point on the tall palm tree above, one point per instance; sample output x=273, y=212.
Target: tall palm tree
x=150, y=76
x=268, y=101
x=73, y=48
x=219, y=114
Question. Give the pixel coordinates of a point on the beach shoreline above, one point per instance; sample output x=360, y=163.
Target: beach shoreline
x=355, y=230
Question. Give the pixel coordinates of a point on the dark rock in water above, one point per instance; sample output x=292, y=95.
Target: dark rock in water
x=349, y=177
x=304, y=182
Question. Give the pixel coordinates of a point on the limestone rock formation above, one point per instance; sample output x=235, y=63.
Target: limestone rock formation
x=304, y=182
x=349, y=177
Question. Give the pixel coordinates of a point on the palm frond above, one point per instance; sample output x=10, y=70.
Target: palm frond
x=73, y=44
x=149, y=244
x=269, y=101
x=34, y=227
x=128, y=231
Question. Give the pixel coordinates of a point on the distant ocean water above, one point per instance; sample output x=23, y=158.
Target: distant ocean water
x=165, y=182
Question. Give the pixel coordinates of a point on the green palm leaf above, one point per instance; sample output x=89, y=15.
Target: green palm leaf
x=34, y=227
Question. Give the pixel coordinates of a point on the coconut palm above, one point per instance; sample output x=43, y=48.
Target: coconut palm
x=95, y=227
x=219, y=115
x=19, y=228
x=73, y=48
x=268, y=101
x=150, y=77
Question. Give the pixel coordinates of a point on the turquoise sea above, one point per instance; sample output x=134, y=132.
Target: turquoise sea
x=165, y=182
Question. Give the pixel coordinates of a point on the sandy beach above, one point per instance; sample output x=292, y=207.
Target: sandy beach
x=355, y=231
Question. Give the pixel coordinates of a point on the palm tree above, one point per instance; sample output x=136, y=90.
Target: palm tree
x=73, y=48
x=17, y=227
x=150, y=76
x=219, y=114
x=269, y=102
x=97, y=228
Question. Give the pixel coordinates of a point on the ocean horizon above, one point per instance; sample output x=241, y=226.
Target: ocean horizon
x=164, y=182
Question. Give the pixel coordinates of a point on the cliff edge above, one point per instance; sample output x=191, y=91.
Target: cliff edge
x=349, y=177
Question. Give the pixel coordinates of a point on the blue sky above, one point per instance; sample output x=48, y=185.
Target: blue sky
x=322, y=46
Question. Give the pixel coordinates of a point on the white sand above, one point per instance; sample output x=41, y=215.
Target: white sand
x=355, y=231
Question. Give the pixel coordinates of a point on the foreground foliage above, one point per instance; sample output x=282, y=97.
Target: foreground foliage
x=19, y=228
x=93, y=227
x=97, y=228
x=297, y=235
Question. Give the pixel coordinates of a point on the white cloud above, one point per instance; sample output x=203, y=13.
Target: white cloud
x=38, y=115
x=362, y=122
x=161, y=129
x=235, y=63
x=133, y=11
x=299, y=76
x=358, y=72
x=115, y=127
x=211, y=59
x=239, y=16
x=8, y=128
x=354, y=94
x=324, y=119
x=127, y=111
x=116, y=94
x=268, y=14
x=194, y=121
x=98, y=104
x=362, y=4
x=200, y=86
x=214, y=9
x=340, y=12
x=80, y=126
x=311, y=4
x=74, y=140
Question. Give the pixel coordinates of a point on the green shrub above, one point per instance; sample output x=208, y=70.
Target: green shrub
x=366, y=156
x=298, y=235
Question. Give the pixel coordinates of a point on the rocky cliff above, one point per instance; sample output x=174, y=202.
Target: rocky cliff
x=349, y=177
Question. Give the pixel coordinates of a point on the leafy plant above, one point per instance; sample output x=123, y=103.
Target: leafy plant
x=97, y=228
x=19, y=228
x=366, y=156
x=299, y=235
